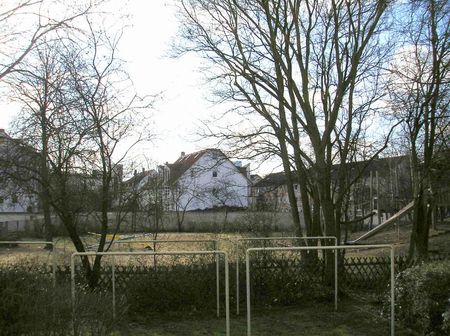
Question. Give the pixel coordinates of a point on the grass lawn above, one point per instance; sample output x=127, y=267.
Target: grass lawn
x=313, y=320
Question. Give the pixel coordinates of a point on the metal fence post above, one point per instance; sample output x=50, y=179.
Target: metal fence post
x=264, y=239
x=227, y=293
x=217, y=280
x=237, y=276
x=335, y=280
x=335, y=248
x=72, y=282
x=247, y=285
x=392, y=291
x=113, y=275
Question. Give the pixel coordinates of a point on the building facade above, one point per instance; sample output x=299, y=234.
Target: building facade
x=206, y=179
x=17, y=185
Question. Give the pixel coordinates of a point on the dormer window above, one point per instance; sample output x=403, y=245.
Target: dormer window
x=214, y=173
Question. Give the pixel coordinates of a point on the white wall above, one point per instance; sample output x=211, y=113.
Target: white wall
x=201, y=190
x=20, y=203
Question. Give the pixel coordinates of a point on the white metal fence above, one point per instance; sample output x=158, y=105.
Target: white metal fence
x=309, y=248
x=215, y=247
x=238, y=243
x=112, y=254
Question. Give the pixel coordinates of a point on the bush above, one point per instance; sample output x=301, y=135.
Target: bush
x=288, y=280
x=32, y=305
x=423, y=298
x=175, y=288
x=9, y=236
x=28, y=302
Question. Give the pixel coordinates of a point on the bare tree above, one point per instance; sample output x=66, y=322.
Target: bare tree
x=52, y=127
x=419, y=97
x=114, y=114
x=38, y=86
x=25, y=23
x=305, y=77
x=81, y=115
x=182, y=193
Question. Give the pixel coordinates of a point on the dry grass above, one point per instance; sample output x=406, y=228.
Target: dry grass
x=399, y=236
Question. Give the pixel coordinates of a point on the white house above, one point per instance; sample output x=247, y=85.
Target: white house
x=204, y=180
x=14, y=158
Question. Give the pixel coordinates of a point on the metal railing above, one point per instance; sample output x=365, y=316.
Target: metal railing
x=238, y=242
x=186, y=241
x=216, y=253
x=335, y=248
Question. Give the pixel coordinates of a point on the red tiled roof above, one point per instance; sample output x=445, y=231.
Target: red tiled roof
x=179, y=167
x=135, y=179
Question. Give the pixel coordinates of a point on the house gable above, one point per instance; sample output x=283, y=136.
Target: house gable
x=208, y=179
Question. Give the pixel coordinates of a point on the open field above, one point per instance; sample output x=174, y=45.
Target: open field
x=63, y=247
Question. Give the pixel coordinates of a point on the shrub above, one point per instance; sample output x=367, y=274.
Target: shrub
x=423, y=298
x=175, y=288
x=32, y=305
x=258, y=224
x=27, y=303
x=9, y=236
x=278, y=280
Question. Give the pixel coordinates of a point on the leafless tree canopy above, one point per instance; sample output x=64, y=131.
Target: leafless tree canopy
x=25, y=23
x=81, y=116
x=306, y=77
x=418, y=96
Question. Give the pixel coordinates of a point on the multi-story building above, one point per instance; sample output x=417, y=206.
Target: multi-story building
x=204, y=180
x=18, y=188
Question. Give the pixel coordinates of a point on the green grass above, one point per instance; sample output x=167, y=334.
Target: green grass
x=312, y=321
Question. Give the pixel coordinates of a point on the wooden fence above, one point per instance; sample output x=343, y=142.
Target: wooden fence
x=285, y=280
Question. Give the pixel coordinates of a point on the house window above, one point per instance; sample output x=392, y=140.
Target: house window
x=14, y=199
x=214, y=173
x=166, y=192
x=295, y=186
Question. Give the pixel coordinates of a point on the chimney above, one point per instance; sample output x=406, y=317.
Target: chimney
x=183, y=154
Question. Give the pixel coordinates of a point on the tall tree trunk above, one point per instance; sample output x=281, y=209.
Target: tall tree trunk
x=290, y=187
x=45, y=176
x=418, y=248
x=48, y=232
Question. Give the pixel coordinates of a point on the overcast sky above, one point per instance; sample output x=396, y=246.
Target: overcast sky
x=183, y=102
x=145, y=47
